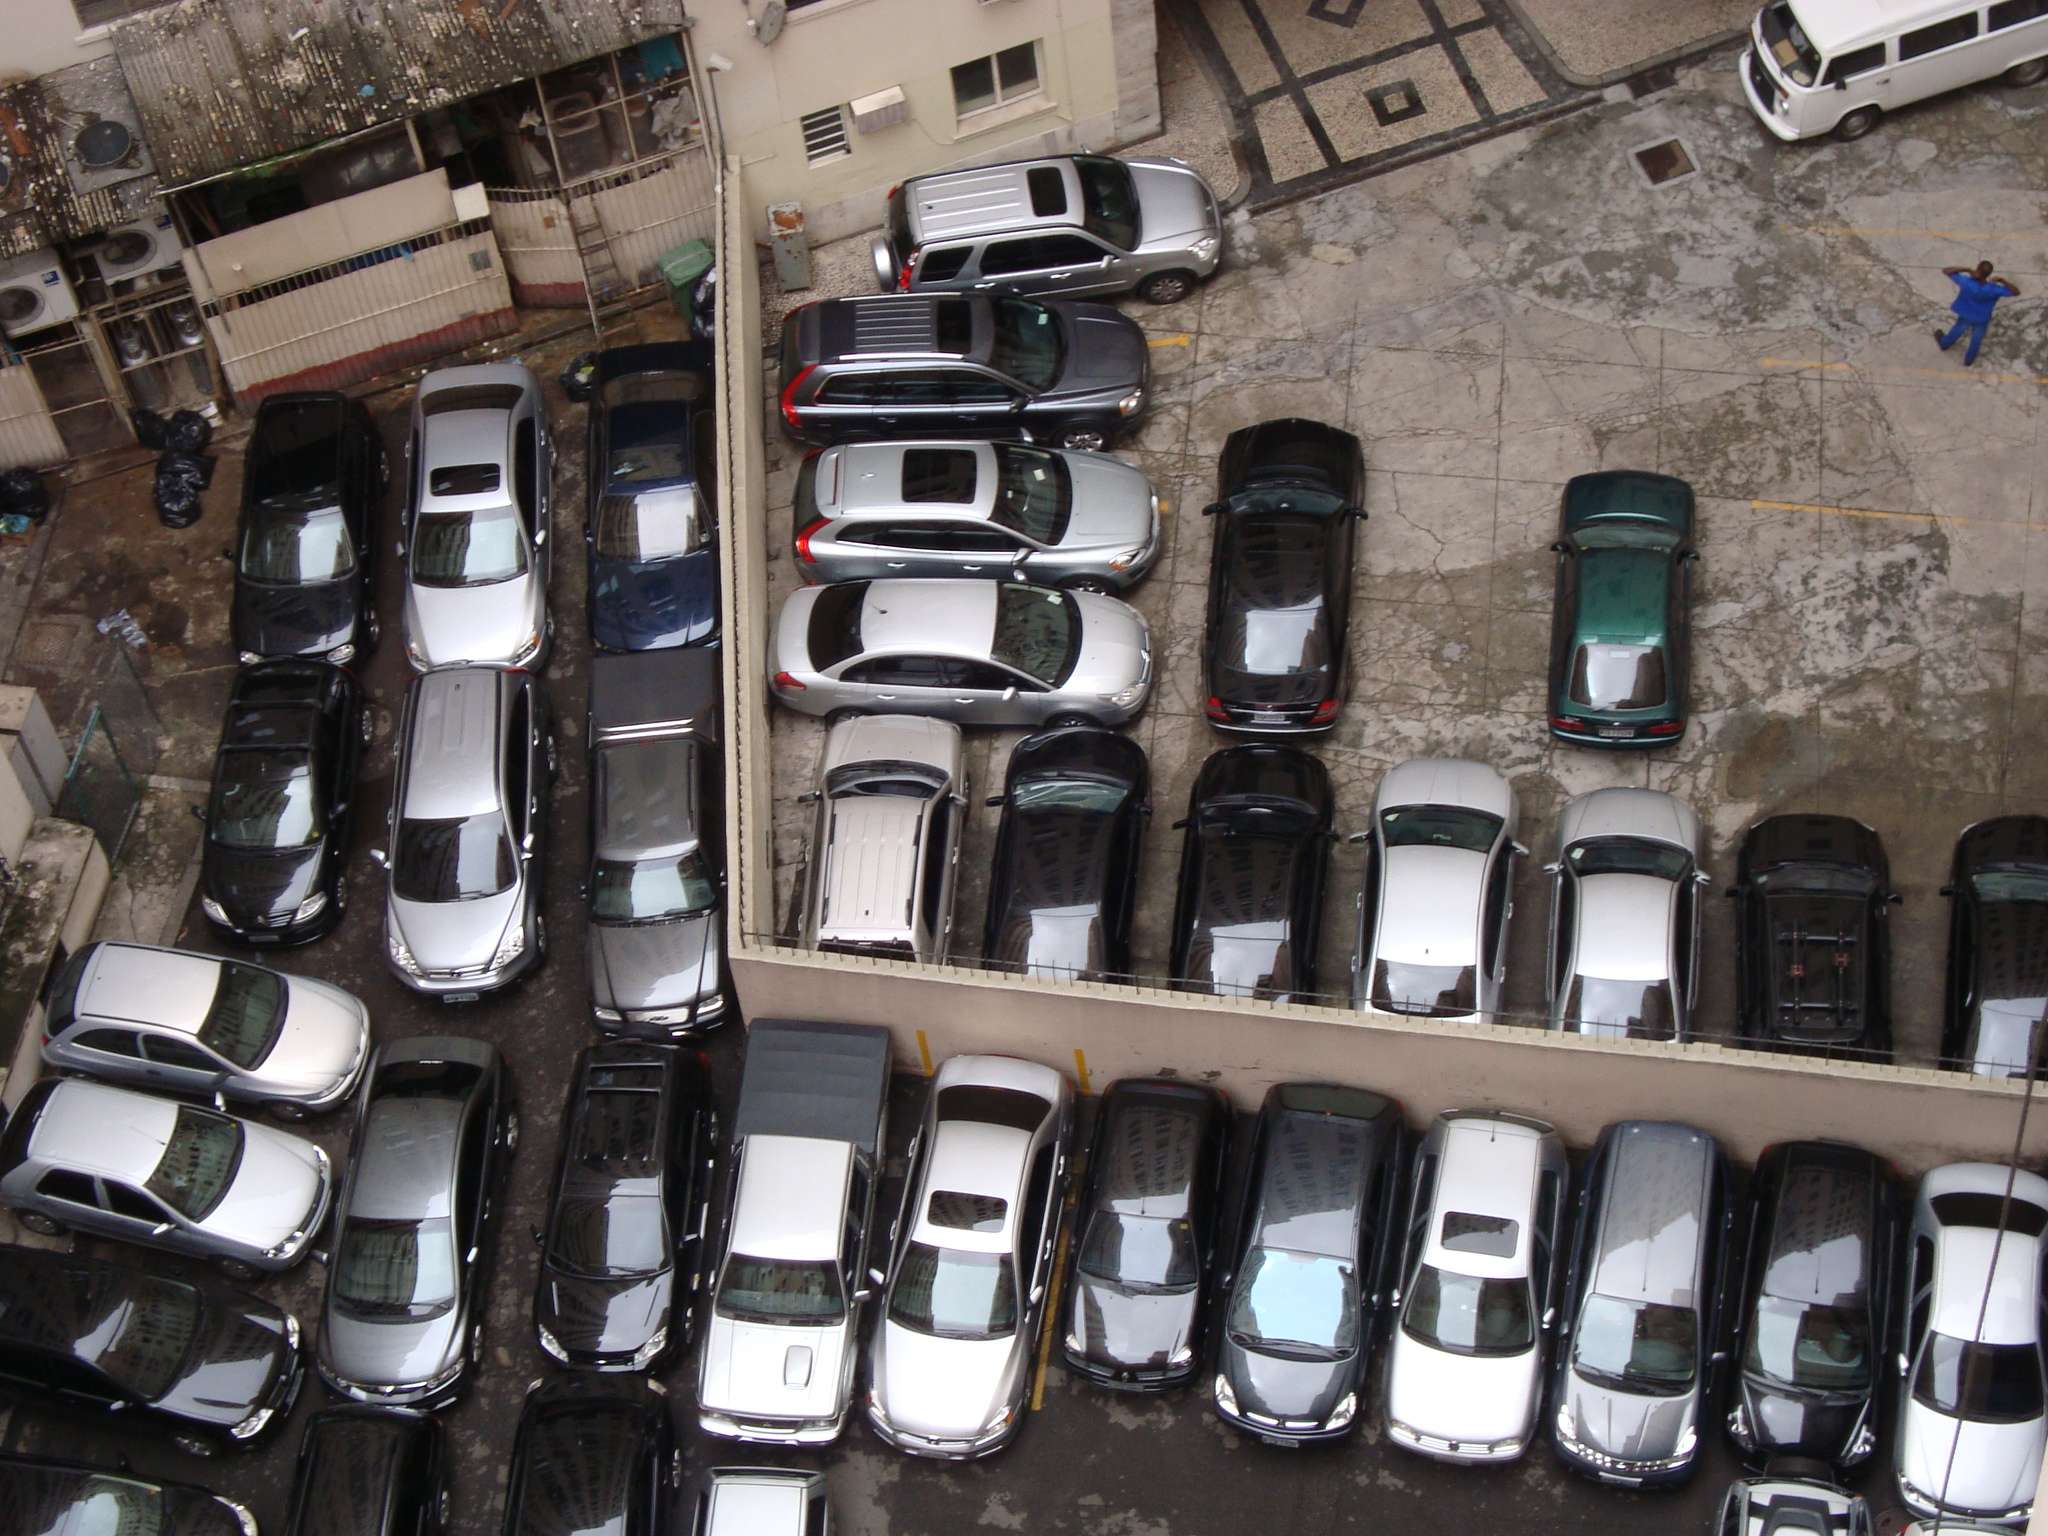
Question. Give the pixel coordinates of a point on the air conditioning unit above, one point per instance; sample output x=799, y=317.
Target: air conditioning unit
x=883, y=109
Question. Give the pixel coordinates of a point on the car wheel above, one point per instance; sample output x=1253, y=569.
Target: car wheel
x=195, y=1445
x=442, y=1505
x=48, y=1226
x=841, y=716
x=235, y=1269
x=476, y=1346
x=1857, y=124
x=372, y=631
x=511, y=1132
x=2028, y=73
x=1061, y=722
x=1085, y=440
x=284, y=1109
x=554, y=756
x=540, y=938
x=1166, y=287
x=1093, y=584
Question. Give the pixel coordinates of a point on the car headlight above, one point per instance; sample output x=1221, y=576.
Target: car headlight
x=1860, y=1447
x=241, y=1512
x=415, y=653
x=608, y=1015
x=511, y=947
x=311, y=907
x=1000, y=1420
x=1567, y=1423
x=1203, y=247
x=527, y=650
x=400, y=955
x=644, y=1355
x=711, y=1007
x=439, y=1380
x=1225, y=1398
x=1074, y=1341
x=1127, y=558
x=1687, y=1442
x=1125, y=698
x=551, y=1344
x=1340, y=1415
x=1738, y=1427
x=1131, y=404
x=876, y=1411
x=1182, y=1354
x=248, y=658
x=346, y=651
x=213, y=909
x=252, y=1425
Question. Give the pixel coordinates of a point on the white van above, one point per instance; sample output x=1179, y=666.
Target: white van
x=1837, y=66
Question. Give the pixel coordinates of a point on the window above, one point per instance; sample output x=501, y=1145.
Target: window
x=179, y=1053
x=1039, y=253
x=101, y=13
x=966, y=388
x=939, y=474
x=1493, y=924
x=824, y=135
x=517, y=747
x=980, y=84
x=526, y=472
x=2012, y=12
x=1943, y=34
x=123, y=1201
x=198, y=1163
x=849, y=389
x=115, y=1042
x=60, y=1184
x=247, y=1011
x=1858, y=61
x=942, y=266
x=937, y=861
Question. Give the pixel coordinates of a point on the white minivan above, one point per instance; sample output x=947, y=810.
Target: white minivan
x=1837, y=66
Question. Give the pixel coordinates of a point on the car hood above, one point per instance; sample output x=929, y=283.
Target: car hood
x=234, y=1367
x=1995, y=1465
x=1116, y=647
x=1112, y=504
x=1625, y=1425
x=604, y=1315
x=294, y=621
x=279, y=1185
x=1132, y=1329
x=650, y=605
x=388, y=1351
x=1461, y=1397
x=1105, y=352
x=772, y=1370
x=654, y=965
x=1174, y=205
x=1789, y=1425
x=252, y=886
x=943, y=1389
x=454, y=935
x=1279, y=1387
x=482, y=624
x=320, y=1044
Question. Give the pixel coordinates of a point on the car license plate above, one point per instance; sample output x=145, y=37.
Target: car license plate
x=1617, y=732
x=1283, y=1444
x=1620, y=1481
x=1268, y=717
x=460, y=997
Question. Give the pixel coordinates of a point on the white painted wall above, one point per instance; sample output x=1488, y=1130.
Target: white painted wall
x=43, y=37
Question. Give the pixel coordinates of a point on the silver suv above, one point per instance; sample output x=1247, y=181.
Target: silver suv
x=469, y=826
x=476, y=546
x=1070, y=224
x=1083, y=521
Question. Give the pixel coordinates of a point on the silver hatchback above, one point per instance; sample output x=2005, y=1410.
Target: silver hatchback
x=1082, y=521
x=978, y=652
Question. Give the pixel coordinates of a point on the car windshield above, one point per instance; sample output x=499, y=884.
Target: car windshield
x=395, y=1266
x=151, y=1334
x=1991, y=1383
x=1437, y=991
x=1637, y=1345
x=1027, y=343
x=468, y=549
x=282, y=551
x=264, y=800
x=1789, y=45
x=1295, y=1303
x=910, y=781
x=834, y=631
x=658, y=524
x=1639, y=1009
x=651, y=890
x=97, y=1505
x=623, y=1235
x=1439, y=826
x=1618, y=676
x=198, y=1164
x=1109, y=200
x=1038, y=631
x=246, y=1014
x=1804, y=1344
x=1094, y=796
x=1803, y=879
x=1034, y=493
x=455, y=858
x=1628, y=856
x=781, y=1290
x=2010, y=884
x=952, y=1294
x=1141, y=1253
x=1467, y=1315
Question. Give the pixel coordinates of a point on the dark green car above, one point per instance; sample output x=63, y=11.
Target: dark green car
x=1620, y=634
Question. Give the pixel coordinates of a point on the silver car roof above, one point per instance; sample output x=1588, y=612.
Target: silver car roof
x=1624, y=927
x=870, y=482
x=988, y=200
x=96, y=1128
x=941, y=618
x=405, y=1170
x=792, y=1197
x=1489, y=1167
x=649, y=806
x=171, y=989
x=452, y=745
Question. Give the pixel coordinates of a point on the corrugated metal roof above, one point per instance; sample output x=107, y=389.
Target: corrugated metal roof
x=41, y=201
x=227, y=83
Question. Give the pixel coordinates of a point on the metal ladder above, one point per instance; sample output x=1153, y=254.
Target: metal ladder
x=604, y=288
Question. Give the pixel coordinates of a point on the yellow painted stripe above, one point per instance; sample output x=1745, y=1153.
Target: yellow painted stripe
x=1081, y=1069
x=1051, y=1322
x=1944, y=375
x=1881, y=231
x=1875, y=512
x=924, y=1051
x=1180, y=339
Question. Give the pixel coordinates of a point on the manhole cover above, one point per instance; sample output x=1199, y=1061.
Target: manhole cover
x=1664, y=162
x=50, y=642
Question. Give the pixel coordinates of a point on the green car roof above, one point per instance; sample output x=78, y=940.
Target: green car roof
x=1624, y=596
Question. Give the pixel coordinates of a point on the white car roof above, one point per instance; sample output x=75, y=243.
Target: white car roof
x=792, y=1198
x=1962, y=1261
x=1444, y=781
x=971, y=1157
x=744, y=1505
x=95, y=1128
x=1624, y=927
x=1648, y=813
x=169, y=988
x=1489, y=1168
x=1832, y=25
x=950, y=617
x=1431, y=912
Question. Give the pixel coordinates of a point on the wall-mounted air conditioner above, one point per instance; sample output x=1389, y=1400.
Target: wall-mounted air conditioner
x=881, y=110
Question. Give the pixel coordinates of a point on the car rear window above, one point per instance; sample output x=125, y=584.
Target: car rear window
x=1640, y=1010
x=1009, y=1107
x=834, y=633
x=463, y=480
x=1983, y=1208
x=1618, y=677
x=966, y=1213
x=1465, y=1232
x=471, y=397
x=938, y=474
x=1438, y=991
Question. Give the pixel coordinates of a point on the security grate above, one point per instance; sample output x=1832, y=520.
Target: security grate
x=825, y=135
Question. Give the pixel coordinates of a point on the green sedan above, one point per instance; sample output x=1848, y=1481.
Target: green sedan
x=1620, y=635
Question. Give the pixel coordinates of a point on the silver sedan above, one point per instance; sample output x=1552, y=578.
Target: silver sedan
x=1083, y=521
x=978, y=652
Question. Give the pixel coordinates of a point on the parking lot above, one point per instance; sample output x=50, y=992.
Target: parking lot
x=1871, y=637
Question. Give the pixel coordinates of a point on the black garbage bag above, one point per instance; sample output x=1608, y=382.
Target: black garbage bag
x=188, y=432
x=23, y=494
x=579, y=379
x=180, y=477
x=151, y=430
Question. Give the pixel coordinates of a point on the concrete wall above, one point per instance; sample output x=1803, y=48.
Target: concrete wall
x=1099, y=87
x=43, y=36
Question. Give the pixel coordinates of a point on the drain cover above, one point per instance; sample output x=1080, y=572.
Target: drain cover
x=1666, y=161
x=48, y=642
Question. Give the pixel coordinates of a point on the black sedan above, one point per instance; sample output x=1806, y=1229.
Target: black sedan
x=1280, y=576
x=69, y=1498
x=1148, y=1221
x=650, y=529
x=1250, y=905
x=620, y=1256
x=278, y=815
x=593, y=1457
x=306, y=551
x=1812, y=943
x=370, y=1472
x=1066, y=859
x=1997, y=947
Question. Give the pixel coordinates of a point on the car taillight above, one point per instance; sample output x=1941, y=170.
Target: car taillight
x=1215, y=709
x=803, y=541
x=903, y=277
x=784, y=683
x=1325, y=713
x=1664, y=728
x=789, y=396
x=1567, y=723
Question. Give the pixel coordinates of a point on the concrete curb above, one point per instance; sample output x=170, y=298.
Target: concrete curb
x=1684, y=53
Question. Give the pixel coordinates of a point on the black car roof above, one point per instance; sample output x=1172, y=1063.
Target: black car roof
x=295, y=448
x=352, y=1456
x=618, y=1122
x=642, y=689
x=1150, y=1150
x=1319, y=1146
x=574, y=1463
x=894, y=325
x=1824, y=1194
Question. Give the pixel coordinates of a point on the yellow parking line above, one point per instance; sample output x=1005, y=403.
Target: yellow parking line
x=1833, y=511
x=1882, y=231
x=1182, y=339
x=1081, y=1070
x=1946, y=375
x=925, y=1052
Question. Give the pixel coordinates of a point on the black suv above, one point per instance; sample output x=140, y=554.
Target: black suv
x=1812, y=944
x=278, y=817
x=1997, y=945
x=70, y=1498
x=920, y=365
x=592, y=1457
x=305, y=555
x=216, y=1367
x=622, y=1253
x=371, y=1472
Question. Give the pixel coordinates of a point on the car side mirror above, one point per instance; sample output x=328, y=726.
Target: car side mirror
x=161, y=1229
x=539, y=1237
x=199, y=814
x=1357, y=512
x=1358, y=837
x=1520, y=852
x=319, y=1255
x=863, y=1296
x=1180, y=825
x=1394, y=1297
x=1948, y=890
x=1701, y=877
x=1549, y=1318
x=993, y=800
x=470, y=1257
x=1560, y=548
x=399, y=549
x=540, y=536
x=1893, y=899
x=526, y=843
x=1010, y=694
x=228, y=555
x=1690, y=555
x=1719, y=1357
x=1212, y=509
x=1552, y=868
x=807, y=797
x=379, y=858
x=876, y=1277
x=1037, y=1294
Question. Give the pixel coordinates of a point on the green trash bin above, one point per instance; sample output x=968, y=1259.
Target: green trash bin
x=680, y=269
